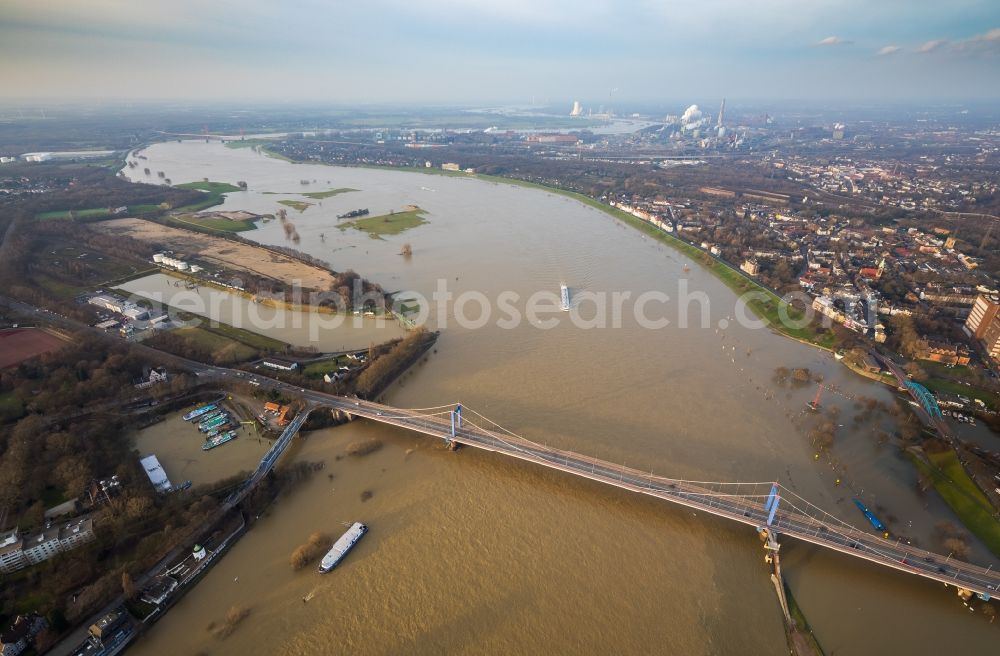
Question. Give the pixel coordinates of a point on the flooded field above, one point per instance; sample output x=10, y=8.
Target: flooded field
x=326, y=332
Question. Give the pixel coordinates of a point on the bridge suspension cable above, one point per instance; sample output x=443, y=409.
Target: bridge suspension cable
x=670, y=480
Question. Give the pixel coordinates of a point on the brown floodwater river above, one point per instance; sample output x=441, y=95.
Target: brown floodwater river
x=470, y=552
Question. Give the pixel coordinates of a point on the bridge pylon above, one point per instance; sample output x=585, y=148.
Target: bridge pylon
x=771, y=505
x=456, y=420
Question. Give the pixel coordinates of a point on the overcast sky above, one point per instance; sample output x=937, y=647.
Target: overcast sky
x=473, y=51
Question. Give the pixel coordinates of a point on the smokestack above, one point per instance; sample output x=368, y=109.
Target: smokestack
x=722, y=113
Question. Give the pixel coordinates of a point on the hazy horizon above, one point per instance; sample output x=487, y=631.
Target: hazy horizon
x=549, y=52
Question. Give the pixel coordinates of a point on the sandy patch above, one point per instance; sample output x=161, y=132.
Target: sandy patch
x=258, y=260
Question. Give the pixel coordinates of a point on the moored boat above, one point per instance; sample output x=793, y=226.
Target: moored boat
x=206, y=426
x=198, y=412
x=343, y=545
x=218, y=440
x=879, y=526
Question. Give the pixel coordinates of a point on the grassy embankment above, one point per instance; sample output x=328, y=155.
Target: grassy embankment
x=329, y=193
x=387, y=224
x=315, y=195
x=961, y=494
x=804, y=634
x=215, y=192
x=299, y=205
x=263, y=143
x=227, y=344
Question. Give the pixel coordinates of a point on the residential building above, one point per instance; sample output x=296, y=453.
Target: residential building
x=11, y=552
x=750, y=267
x=991, y=338
x=110, y=625
x=983, y=313
x=152, y=377
x=19, y=551
x=939, y=351
x=42, y=546
x=16, y=638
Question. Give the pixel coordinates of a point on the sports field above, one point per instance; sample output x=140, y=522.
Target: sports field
x=19, y=344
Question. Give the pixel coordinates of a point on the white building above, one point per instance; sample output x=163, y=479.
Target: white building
x=108, y=303
x=281, y=365
x=19, y=551
x=119, y=306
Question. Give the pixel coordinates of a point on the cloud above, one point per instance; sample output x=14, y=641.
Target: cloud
x=832, y=41
x=985, y=43
x=931, y=46
x=888, y=50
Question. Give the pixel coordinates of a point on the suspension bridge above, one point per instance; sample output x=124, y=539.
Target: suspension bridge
x=761, y=505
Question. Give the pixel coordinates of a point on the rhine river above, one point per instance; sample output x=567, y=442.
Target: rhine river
x=470, y=552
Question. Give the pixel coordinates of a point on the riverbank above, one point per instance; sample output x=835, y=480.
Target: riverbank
x=948, y=476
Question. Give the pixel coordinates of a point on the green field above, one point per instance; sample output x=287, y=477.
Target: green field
x=214, y=192
x=59, y=288
x=65, y=214
x=299, y=205
x=260, y=342
x=317, y=369
x=101, y=268
x=320, y=195
x=955, y=387
x=214, y=223
x=143, y=209
x=219, y=348
x=962, y=495
x=387, y=224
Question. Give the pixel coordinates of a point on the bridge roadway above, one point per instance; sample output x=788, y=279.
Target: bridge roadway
x=826, y=531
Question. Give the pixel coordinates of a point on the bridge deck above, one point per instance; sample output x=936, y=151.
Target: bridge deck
x=826, y=532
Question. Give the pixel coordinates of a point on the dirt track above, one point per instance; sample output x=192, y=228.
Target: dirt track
x=227, y=253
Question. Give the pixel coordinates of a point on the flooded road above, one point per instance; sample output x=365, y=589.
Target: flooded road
x=471, y=553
